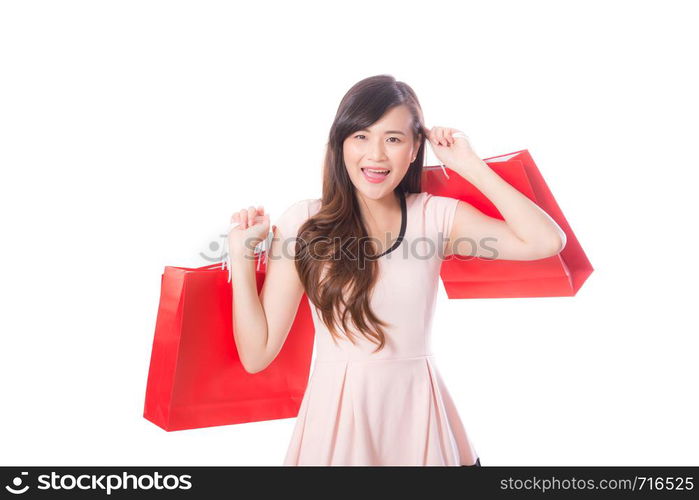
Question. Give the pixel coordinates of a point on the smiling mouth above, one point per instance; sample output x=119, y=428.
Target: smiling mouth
x=376, y=171
x=375, y=175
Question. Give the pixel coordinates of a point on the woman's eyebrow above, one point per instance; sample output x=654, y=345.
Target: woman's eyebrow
x=387, y=132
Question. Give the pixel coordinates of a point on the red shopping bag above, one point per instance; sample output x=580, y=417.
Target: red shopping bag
x=470, y=277
x=196, y=378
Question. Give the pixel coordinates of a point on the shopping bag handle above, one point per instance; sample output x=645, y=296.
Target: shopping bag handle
x=209, y=266
x=225, y=254
x=456, y=134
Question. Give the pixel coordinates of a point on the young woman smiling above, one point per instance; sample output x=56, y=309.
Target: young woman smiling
x=368, y=253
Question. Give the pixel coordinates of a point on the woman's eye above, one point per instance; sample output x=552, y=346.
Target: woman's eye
x=394, y=142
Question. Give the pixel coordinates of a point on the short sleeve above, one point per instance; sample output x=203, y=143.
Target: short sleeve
x=289, y=222
x=439, y=215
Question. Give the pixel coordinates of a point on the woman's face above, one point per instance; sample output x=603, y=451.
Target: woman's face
x=387, y=145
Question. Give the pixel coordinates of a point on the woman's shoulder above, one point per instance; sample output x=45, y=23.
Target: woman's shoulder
x=436, y=202
x=430, y=203
x=296, y=214
x=420, y=197
x=426, y=197
x=303, y=208
x=437, y=211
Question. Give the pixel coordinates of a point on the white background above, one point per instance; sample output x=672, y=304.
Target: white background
x=130, y=131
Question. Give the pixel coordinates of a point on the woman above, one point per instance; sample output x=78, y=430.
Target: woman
x=368, y=254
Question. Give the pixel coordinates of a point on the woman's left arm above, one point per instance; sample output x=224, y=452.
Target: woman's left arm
x=527, y=233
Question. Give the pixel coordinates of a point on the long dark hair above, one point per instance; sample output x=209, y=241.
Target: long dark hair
x=325, y=276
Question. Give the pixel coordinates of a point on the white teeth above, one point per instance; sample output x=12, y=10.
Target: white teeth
x=376, y=171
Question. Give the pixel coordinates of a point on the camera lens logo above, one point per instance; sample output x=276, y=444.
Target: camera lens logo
x=17, y=482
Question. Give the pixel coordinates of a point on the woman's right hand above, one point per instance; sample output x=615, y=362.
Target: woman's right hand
x=252, y=228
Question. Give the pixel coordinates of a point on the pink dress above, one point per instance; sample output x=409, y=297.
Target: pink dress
x=391, y=407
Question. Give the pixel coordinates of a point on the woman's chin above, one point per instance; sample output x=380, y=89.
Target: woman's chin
x=375, y=192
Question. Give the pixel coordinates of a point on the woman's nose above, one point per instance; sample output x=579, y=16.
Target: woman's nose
x=376, y=151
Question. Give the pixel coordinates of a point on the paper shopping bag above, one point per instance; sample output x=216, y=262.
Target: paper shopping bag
x=472, y=277
x=196, y=378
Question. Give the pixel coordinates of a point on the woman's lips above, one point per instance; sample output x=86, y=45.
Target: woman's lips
x=374, y=177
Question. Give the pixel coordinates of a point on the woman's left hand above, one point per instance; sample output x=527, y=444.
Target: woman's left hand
x=451, y=147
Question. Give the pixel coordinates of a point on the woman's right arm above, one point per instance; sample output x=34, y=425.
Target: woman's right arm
x=261, y=323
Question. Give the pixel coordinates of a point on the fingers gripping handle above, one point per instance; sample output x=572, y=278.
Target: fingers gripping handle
x=261, y=248
x=455, y=134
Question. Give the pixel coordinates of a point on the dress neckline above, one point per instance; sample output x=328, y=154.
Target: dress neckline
x=403, y=225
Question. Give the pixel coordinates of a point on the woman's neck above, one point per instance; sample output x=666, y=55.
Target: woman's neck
x=382, y=216
x=380, y=209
